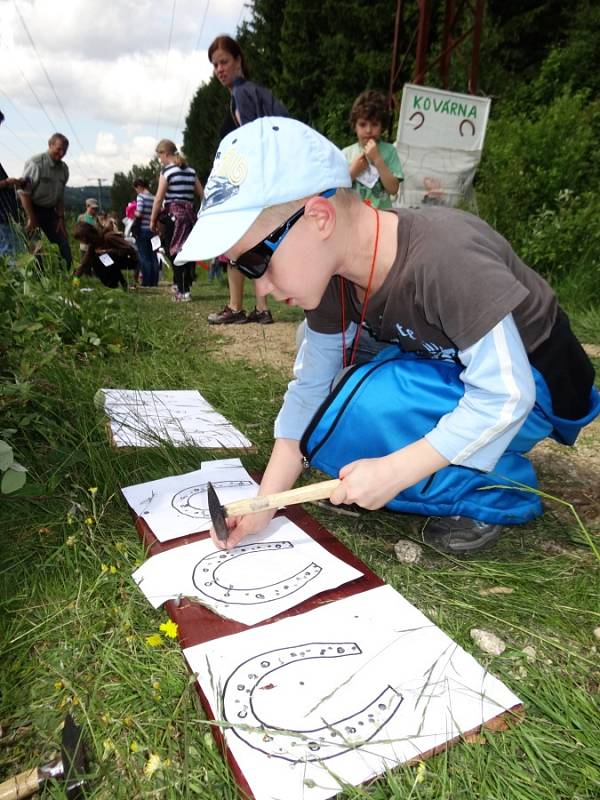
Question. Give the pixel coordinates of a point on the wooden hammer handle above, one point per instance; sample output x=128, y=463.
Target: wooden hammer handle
x=22, y=785
x=303, y=494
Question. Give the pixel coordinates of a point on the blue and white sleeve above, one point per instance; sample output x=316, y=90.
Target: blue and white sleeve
x=318, y=361
x=499, y=394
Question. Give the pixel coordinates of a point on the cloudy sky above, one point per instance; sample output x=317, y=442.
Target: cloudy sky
x=102, y=73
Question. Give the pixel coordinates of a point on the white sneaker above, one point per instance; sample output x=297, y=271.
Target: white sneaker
x=185, y=298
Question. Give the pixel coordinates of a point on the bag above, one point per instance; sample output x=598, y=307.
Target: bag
x=394, y=400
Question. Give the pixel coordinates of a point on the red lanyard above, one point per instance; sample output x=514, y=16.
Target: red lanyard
x=363, y=313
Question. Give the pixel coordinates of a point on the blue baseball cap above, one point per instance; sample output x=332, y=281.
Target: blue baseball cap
x=269, y=161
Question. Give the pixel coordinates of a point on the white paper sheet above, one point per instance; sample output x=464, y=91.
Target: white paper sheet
x=183, y=418
x=177, y=506
x=341, y=693
x=264, y=575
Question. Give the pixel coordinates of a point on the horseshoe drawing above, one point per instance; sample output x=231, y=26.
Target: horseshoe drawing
x=240, y=701
x=417, y=114
x=206, y=581
x=468, y=122
x=192, y=502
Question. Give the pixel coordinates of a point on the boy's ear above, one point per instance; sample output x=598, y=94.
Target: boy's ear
x=322, y=213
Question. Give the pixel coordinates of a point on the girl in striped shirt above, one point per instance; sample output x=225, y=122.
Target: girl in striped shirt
x=143, y=212
x=177, y=186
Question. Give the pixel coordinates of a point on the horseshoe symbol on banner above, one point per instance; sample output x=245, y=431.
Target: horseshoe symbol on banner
x=417, y=114
x=241, y=708
x=206, y=581
x=468, y=122
x=192, y=502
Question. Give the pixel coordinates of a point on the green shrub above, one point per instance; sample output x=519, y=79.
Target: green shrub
x=563, y=243
x=46, y=319
x=532, y=156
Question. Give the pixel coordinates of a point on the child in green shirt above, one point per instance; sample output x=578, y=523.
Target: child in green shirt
x=374, y=165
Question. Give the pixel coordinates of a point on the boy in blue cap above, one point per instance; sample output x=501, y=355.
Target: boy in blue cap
x=442, y=287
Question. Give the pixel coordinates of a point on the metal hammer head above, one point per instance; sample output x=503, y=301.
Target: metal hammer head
x=74, y=758
x=217, y=514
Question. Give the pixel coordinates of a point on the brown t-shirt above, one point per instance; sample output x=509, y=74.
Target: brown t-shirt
x=453, y=279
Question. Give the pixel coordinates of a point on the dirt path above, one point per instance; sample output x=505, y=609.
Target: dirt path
x=270, y=344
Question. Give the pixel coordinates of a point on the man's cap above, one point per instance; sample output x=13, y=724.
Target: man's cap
x=269, y=161
x=91, y=202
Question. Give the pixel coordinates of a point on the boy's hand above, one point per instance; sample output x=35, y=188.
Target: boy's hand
x=373, y=482
x=240, y=527
x=370, y=483
x=372, y=152
x=358, y=166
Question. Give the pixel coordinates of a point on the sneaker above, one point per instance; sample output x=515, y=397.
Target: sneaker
x=227, y=317
x=185, y=297
x=460, y=535
x=262, y=317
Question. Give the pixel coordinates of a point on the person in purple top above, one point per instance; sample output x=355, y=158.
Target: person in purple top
x=248, y=102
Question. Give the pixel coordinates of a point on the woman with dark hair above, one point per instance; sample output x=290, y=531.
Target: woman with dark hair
x=248, y=102
x=107, y=254
x=177, y=186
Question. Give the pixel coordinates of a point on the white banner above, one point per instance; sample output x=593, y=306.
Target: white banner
x=439, y=141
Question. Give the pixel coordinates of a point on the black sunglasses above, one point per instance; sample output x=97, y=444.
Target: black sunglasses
x=254, y=262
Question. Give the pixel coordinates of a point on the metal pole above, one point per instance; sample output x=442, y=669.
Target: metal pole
x=422, y=40
x=477, y=27
x=447, y=43
x=100, y=180
x=399, y=10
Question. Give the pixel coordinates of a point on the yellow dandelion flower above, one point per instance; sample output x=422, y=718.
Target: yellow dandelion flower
x=108, y=746
x=113, y=570
x=59, y=685
x=156, y=685
x=71, y=541
x=92, y=490
x=152, y=764
x=134, y=747
x=169, y=628
x=104, y=567
x=155, y=640
x=89, y=520
x=421, y=769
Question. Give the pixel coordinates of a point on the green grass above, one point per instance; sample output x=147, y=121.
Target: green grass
x=73, y=626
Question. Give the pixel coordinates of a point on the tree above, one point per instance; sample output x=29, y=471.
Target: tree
x=122, y=191
x=203, y=126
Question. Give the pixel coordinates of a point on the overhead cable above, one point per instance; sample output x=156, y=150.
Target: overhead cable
x=187, y=83
x=49, y=79
x=18, y=110
x=166, y=66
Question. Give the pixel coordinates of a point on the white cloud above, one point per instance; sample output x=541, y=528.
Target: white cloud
x=106, y=144
x=109, y=62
